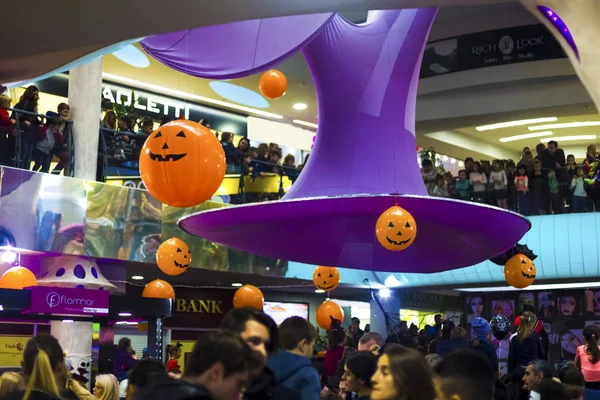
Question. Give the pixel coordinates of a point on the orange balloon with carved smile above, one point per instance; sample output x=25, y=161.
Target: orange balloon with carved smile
x=396, y=229
x=182, y=163
x=173, y=256
x=519, y=271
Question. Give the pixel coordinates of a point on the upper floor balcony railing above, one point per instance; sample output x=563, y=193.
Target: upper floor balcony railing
x=45, y=143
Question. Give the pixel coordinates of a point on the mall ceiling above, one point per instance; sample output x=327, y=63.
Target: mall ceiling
x=84, y=27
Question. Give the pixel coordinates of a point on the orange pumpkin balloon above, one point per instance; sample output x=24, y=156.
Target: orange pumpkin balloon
x=248, y=296
x=327, y=310
x=326, y=278
x=173, y=257
x=159, y=289
x=17, y=278
x=182, y=163
x=396, y=229
x=273, y=84
x=142, y=326
x=519, y=271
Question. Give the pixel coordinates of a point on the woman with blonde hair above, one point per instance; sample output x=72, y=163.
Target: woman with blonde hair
x=525, y=346
x=107, y=387
x=11, y=382
x=43, y=368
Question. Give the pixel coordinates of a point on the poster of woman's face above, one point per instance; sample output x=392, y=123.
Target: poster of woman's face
x=569, y=305
x=546, y=305
x=569, y=341
x=474, y=307
x=504, y=307
x=596, y=303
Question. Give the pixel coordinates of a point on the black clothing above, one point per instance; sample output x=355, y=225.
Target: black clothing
x=521, y=354
x=265, y=388
x=172, y=389
x=35, y=395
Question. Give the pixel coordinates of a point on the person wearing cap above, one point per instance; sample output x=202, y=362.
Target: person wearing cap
x=481, y=341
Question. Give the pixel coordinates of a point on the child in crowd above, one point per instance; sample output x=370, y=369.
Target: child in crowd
x=579, y=201
x=463, y=186
x=522, y=186
x=511, y=173
x=440, y=189
x=7, y=135
x=479, y=182
x=450, y=182
x=43, y=152
x=429, y=174
x=174, y=352
x=289, y=168
x=498, y=178
x=571, y=171
x=536, y=182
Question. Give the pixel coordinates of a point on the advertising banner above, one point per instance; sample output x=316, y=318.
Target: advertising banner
x=64, y=301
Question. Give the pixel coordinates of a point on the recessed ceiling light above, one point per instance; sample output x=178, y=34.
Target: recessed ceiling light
x=133, y=56
x=300, y=106
x=124, y=314
x=121, y=322
x=305, y=123
x=515, y=123
x=137, y=277
x=238, y=94
x=237, y=284
x=524, y=136
x=569, y=138
x=188, y=96
x=319, y=291
x=564, y=125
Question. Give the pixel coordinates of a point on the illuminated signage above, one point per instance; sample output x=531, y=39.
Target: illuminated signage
x=198, y=306
x=150, y=103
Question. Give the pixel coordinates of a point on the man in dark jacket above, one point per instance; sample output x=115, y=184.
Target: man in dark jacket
x=218, y=369
x=259, y=331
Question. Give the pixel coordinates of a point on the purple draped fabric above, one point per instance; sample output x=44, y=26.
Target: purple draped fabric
x=364, y=162
x=236, y=49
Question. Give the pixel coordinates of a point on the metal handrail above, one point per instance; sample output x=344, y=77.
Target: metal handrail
x=67, y=132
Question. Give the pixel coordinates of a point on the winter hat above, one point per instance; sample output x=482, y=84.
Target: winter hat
x=481, y=328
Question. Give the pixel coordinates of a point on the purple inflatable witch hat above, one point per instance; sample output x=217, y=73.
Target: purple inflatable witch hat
x=363, y=162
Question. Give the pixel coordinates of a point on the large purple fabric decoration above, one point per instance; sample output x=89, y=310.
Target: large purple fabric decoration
x=364, y=161
x=561, y=26
x=236, y=49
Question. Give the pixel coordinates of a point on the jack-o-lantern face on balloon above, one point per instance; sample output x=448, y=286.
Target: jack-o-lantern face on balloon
x=396, y=229
x=173, y=256
x=326, y=278
x=182, y=163
x=519, y=271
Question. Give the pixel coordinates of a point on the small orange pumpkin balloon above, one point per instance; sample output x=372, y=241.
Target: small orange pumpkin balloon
x=159, y=289
x=327, y=310
x=326, y=278
x=142, y=326
x=396, y=229
x=519, y=271
x=173, y=256
x=248, y=296
x=182, y=163
x=17, y=278
x=273, y=84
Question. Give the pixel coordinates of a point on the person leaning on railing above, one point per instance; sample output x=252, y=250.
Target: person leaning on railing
x=7, y=132
x=28, y=123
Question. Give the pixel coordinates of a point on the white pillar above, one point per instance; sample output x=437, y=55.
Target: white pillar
x=391, y=307
x=76, y=340
x=85, y=93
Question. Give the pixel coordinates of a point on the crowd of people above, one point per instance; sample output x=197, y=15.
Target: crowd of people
x=27, y=136
x=251, y=358
x=547, y=183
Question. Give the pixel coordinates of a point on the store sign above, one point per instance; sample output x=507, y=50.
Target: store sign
x=65, y=301
x=151, y=103
x=198, y=306
x=11, y=350
x=486, y=49
x=191, y=311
